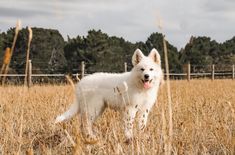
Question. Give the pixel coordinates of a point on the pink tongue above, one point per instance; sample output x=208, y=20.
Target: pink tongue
x=147, y=85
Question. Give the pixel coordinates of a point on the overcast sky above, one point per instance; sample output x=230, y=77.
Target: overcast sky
x=133, y=20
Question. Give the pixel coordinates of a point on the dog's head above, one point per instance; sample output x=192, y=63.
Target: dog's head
x=147, y=69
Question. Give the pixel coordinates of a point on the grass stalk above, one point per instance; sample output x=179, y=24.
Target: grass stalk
x=170, y=132
x=21, y=131
x=17, y=29
x=6, y=59
x=27, y=55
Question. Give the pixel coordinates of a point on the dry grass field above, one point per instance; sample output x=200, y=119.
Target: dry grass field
x=203, y=122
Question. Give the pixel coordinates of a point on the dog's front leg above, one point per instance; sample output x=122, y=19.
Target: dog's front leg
x=142, y=119
x=129, y=117
x=143, y=116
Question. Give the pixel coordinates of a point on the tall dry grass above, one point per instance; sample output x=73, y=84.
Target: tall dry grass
x=27, y=54
x=203, y=120
x=9, y=55
x=168, y=141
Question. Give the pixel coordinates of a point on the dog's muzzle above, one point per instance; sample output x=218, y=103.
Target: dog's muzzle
x=147, y=83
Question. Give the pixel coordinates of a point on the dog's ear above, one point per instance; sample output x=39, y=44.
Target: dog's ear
x=155, y=56
x=137, y=56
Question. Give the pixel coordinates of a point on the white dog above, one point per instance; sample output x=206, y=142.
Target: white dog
x=129, y=92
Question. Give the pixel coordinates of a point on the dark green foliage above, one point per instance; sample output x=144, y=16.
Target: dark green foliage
x=204, y=51
x=200, y=50
x=51, y=54
x=99, y=51
x=1, y=46
x=104, y=53
x=46, y=50
x=156, y=41
x=228, y=51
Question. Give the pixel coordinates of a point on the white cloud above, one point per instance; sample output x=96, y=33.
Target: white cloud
x=133, y=20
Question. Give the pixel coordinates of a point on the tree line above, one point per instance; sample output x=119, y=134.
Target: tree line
x=50, y=53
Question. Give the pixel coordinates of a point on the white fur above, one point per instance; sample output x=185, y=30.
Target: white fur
x=124, y=92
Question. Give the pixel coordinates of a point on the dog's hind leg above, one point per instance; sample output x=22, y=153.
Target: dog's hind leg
x=94, y=109
x=86, y=128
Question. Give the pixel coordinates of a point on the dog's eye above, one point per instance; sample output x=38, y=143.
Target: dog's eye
x=142, y=69
x=151, y=69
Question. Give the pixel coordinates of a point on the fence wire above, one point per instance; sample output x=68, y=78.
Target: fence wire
x=48, y=75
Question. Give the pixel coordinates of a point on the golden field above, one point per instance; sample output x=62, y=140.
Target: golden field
x=203, y=122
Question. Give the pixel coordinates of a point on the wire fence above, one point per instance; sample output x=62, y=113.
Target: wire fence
x=189, y=72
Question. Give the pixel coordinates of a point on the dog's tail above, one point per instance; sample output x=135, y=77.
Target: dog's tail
x=68, y=114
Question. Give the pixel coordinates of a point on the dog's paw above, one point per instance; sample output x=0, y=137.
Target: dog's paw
x=90, y=139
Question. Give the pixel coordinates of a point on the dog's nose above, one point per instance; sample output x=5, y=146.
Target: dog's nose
x=146, y=76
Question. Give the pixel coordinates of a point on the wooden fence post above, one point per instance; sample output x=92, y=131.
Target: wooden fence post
x=82, y=69
x=233, y=69
x=29, y=74
x=213, y=72
x=188, y=72
x=125, y=67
